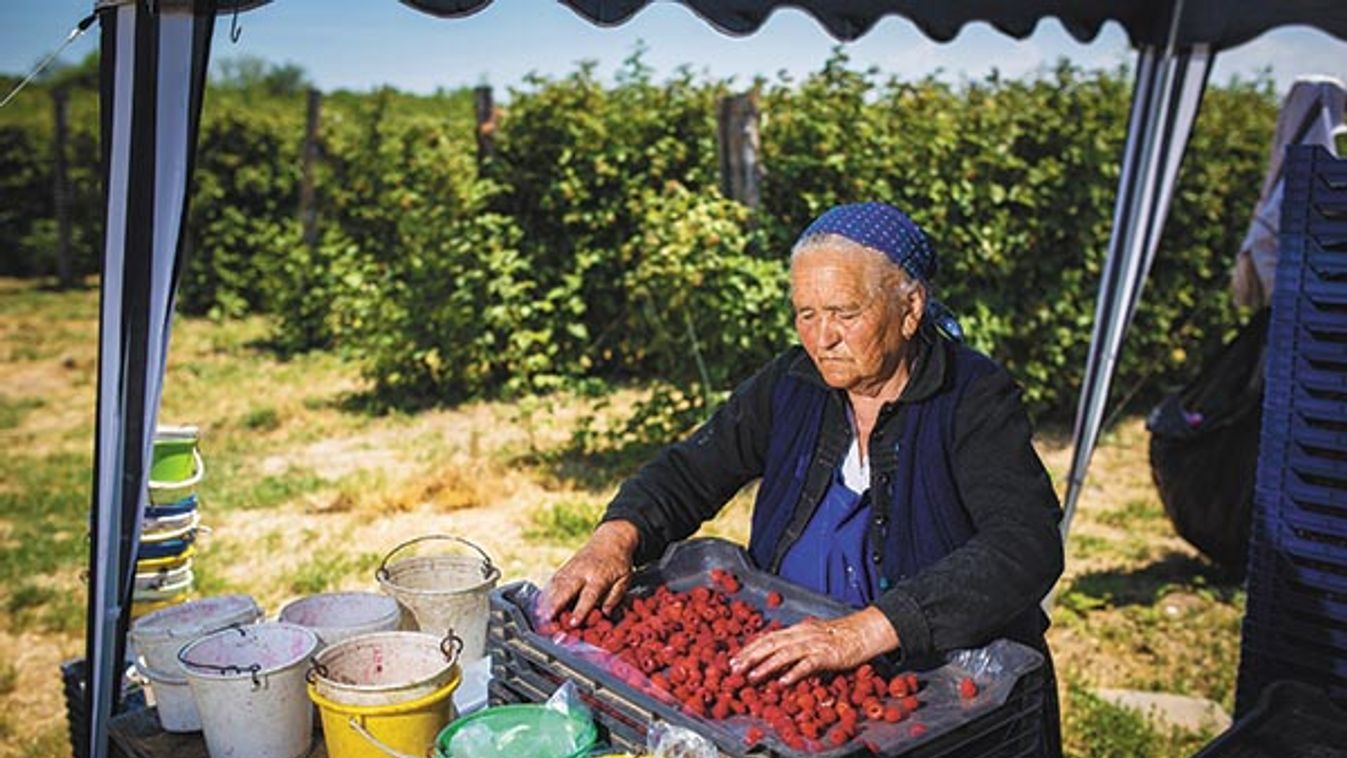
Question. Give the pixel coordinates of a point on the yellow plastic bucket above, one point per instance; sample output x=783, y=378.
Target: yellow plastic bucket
x=403, y=730
x=167, y=563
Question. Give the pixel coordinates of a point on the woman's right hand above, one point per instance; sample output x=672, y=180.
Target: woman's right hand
x=598, y=573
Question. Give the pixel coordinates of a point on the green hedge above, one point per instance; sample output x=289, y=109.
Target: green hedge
x=594, y=244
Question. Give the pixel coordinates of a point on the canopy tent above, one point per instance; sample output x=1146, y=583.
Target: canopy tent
x=154, y=60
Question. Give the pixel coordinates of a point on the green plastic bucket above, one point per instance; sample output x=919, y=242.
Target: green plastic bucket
x=518, y=731
x=175, y=458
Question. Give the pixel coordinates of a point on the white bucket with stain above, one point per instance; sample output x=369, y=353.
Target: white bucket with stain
x=444, y=593
x=386, y=668
x=173, y=700
x=337, y=616
x=158, y=636
x=250, y=689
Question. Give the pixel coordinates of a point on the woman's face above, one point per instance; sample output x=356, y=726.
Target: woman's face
x=850, y=321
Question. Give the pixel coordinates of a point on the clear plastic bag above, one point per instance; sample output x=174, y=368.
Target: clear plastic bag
x=669, y=741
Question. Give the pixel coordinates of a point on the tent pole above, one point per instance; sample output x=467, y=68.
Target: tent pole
x=152, y=74
x=1166, y=97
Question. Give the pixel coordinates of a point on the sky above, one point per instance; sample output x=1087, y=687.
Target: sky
x=360, y=44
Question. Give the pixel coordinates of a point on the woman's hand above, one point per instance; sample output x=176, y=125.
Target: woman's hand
x=599, y=572
x=813, y=646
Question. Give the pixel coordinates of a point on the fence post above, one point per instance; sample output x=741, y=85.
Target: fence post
x=308, y=206
x=737, y=141
x=61, y=191
x=485, y=108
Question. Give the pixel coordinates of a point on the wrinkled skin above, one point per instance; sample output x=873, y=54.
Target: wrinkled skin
x=814, y=646
x=595, y=577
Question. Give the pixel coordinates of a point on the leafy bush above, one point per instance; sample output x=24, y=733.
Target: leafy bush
x=28, y=230
x=243, y=217
x=595, y=246
x=703, y=312
x=574, y=160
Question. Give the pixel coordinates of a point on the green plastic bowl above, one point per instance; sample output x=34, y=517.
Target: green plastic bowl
x=174, y=459
x=517, y=731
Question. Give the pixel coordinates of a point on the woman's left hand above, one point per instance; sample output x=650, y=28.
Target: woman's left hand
x=813, y=646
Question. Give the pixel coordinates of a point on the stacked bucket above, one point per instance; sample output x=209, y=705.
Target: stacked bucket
x=164, y=563
x=1295, y=626
x=396, y=692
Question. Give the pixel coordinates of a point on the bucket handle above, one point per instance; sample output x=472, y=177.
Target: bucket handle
x=199, y=469
x=488, y=568
x=451, y=646
x=316, y=670
x=252, y=669
x=378, y=744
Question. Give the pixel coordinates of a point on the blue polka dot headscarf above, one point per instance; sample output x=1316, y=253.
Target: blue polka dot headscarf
x=882, y=227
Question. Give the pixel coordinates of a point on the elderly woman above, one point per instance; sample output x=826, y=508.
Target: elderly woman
x=896, y=465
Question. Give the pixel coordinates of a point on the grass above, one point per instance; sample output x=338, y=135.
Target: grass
x=568, y=522
x=1097, y=728
x=305, y=492
x=12, y=412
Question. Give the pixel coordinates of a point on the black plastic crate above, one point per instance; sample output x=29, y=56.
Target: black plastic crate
x=74, y=677
x=1259, y=669
x=1006, y=719
x=1296, y=600
x=624, y=724
x=1291, y=719
x=1314, y=663
x=1312, y=637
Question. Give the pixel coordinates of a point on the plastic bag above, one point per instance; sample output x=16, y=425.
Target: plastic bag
x=567, y=702
x=669, y=741
x=563, y=726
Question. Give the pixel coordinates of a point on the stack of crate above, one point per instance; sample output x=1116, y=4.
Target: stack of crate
x=1295, y=626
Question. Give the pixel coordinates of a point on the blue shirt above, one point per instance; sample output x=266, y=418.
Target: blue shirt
x=829, y=556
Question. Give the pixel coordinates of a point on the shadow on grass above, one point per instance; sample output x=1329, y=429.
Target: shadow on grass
x=591, y=470
x=1143, y=586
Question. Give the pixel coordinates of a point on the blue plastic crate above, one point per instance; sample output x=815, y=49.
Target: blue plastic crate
x=1321, y=442
x=1267, y=559
x=1313, y=493
x=1330, y=524
x=1325, y=293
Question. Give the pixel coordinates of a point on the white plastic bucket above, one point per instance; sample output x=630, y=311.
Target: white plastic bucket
x=172, y=700
x=386, y=668
x=158, y=636
x=165, y=577
x=250, y=690
x=177, y=524
x=336, y=616
x=180, y=528
x=180, y=586
x=444, y=593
